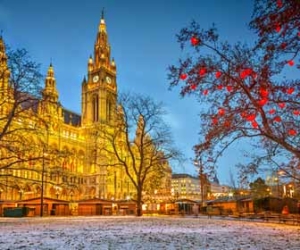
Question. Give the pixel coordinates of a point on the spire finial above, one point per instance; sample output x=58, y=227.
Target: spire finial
x=50, y=61
x=1, y=32
x=102, y=13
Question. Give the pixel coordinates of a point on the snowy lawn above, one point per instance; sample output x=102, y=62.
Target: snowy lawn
x=144, y=233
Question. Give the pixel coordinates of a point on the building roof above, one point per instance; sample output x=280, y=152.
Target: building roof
x=71, y=118
x=181, y=176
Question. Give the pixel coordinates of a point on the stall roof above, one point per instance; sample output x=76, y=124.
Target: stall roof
x=46, y=200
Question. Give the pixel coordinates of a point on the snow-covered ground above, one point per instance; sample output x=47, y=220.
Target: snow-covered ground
x=144, y=233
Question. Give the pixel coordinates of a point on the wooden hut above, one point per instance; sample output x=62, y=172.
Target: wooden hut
x=95, y=206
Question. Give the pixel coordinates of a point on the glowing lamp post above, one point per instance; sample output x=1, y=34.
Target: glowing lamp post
x=199, y=165
x=42, y=189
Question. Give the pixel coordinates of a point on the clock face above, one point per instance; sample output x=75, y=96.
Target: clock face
x=95, y=78
x=108, y=79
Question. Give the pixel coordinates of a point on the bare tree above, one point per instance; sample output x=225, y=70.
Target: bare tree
x=241, y=87
x=140, y=143
x=19, y=93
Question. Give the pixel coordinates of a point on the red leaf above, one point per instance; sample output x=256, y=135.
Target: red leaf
x=193, y=86
x=218, y=74
x=262, y=102
x=291, y=62
x=251, y=117
x=277, y=119
x=281, y=105
x=263, y=92
x=221, y=111
x=229, y=88
x=254, y=124
x=283, y=45
x=183, y=76
x=227, y=124
x=205, y=92
x=296, y=112
x=214, y=121
x=220, y=87
x=279, y=3
x=272, y=111
x=244, y=114
x=290, y=91
x=246, y=72
x=202, y=71
x=292, y=132
x=194, y=41
x=277, y=28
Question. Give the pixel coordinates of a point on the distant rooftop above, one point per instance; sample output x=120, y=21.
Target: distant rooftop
x=181, y=176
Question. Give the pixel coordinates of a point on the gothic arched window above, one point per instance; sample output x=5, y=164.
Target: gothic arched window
x=95, y=108
x=109, y=111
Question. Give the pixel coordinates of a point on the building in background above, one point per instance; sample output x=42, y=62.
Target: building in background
x=185, y=186
x=64, y=157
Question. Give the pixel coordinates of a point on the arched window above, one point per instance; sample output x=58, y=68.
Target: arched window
x=108, y=111
x=95, y=108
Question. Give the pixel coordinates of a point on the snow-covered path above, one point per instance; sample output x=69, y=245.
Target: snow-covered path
x=144, y=233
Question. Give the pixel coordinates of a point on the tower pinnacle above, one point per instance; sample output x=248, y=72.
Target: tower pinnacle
x=102, y=25
x=50, y=91
x=102, y=14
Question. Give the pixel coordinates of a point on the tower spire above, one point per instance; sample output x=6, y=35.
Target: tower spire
x=102, y=25
x=50, y=91
x=102, y=13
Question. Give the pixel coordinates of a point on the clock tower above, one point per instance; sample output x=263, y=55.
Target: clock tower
x=99, y=89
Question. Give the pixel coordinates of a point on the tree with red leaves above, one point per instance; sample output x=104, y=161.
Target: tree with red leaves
x=241, y=87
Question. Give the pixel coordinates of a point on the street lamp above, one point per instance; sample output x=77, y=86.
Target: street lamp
x=199, y=165
x=21, y=194
x=57, y=191
x=42, y=189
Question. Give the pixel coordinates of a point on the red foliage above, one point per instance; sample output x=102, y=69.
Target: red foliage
x=194, y=41
x=221, y=112
x=292, y=132
x=277, y=119
x=218, y=74
x=296, y=112
x=183, y=76
x=291, y=62
x=272, y=111
x=258, y=101
x=202, y=71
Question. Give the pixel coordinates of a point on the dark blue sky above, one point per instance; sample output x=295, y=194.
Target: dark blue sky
x=143, y=43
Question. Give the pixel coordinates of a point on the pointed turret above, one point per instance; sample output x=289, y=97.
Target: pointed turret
x=140, y=128
x=84, y=80
x=50, y=106
x=3, y=56
x=99, y=93
x=90, y=64
x=102, y=47
x=102, y=25
x=4, y=70
x=50, y=92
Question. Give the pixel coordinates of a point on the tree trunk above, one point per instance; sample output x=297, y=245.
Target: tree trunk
x=139, y=211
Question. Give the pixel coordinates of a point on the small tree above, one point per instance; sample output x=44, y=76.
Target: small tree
x=140, y=142
x=259, y=189
x=241, y=89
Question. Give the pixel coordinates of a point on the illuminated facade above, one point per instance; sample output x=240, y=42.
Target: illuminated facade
x=185, y=186
x=64, y=154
